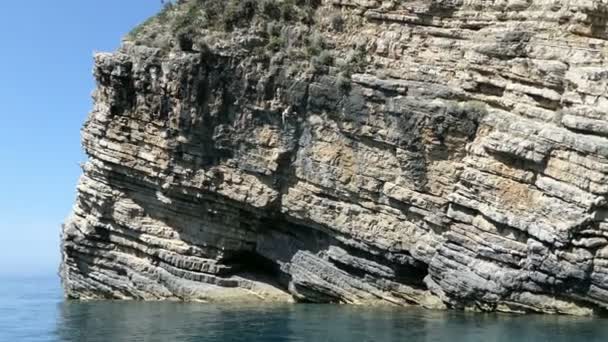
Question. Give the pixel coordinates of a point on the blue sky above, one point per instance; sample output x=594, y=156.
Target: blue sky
x=46, y=49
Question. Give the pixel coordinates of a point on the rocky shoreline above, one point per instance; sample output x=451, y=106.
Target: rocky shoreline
x=449, y=154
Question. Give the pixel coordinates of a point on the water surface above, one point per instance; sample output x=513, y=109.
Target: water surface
x=31, y=309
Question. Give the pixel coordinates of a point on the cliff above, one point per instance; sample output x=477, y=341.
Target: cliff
x=444, y=153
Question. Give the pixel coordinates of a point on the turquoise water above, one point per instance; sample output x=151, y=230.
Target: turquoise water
x=31, y=309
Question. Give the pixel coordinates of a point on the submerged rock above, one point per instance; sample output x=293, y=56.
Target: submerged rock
x=450, y=154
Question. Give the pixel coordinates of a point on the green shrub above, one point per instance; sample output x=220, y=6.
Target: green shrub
x=288, y=10
x=275, y=43
x=325, y=58
x=273, y=29
x=270, y=9
x=238, y=13
x=336, y=22
x=343, y=82
x=314, y=44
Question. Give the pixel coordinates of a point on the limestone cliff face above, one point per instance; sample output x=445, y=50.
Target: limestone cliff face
x=461, y=162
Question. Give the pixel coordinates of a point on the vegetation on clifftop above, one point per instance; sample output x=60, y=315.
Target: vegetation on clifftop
x=198, y=19
x=289, y=32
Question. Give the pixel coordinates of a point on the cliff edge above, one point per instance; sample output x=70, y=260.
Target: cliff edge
x=444, y=153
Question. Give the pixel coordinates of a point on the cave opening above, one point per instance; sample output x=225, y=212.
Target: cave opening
x=261, y=268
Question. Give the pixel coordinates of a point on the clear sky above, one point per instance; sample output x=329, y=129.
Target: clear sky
x=46, y=49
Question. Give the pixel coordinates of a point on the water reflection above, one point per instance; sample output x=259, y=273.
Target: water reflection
x=115, y=321
x=32, y=310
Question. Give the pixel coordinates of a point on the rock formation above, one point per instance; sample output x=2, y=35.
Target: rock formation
x=444, y=153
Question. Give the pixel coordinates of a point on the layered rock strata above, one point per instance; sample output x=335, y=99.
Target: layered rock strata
x=465, y=165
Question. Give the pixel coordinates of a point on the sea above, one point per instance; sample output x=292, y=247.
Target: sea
x=32, y=309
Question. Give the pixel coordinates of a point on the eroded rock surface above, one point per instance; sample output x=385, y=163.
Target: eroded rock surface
x=464, y=166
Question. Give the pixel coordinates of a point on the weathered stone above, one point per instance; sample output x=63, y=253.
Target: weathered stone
x=464, y=166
